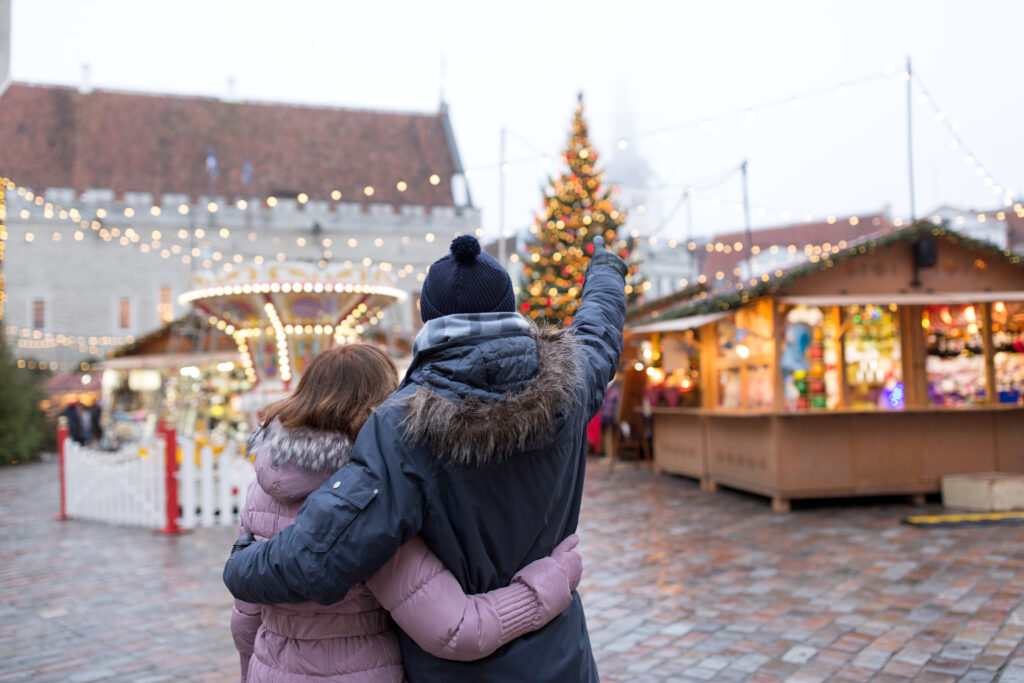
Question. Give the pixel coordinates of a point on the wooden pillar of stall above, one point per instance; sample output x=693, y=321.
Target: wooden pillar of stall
x=707, y=336
x=913, y=353
x=991, y=390
x=779, y=311
x=840, y=316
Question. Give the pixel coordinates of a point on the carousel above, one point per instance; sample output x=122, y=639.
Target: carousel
x=281, y=315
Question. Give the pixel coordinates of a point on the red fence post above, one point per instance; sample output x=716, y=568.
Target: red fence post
x=62, y=436
x=170, y=478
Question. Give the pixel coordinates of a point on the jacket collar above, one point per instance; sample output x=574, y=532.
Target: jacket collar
x=480, y=426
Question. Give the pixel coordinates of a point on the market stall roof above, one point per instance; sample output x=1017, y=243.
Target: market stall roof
x=166, y=360
x=903, y=298
x=72, y=382
x=189, y=333
x=651, y=309
x=734, y=294
x=677, y=324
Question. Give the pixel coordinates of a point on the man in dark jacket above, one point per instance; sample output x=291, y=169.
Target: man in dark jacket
x=481, y=451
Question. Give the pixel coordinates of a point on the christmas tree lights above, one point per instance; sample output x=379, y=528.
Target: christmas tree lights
x=577, y=208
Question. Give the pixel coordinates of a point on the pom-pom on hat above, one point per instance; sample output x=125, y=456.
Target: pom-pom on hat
x=466, y=280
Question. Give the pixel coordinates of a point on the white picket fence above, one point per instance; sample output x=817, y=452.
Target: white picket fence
x=212, y=481
x=131, y=486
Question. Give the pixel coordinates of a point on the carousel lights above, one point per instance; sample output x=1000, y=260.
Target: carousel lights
x=283, y=362
x=243, y=351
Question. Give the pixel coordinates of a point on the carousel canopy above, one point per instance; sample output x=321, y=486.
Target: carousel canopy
x=282, y=314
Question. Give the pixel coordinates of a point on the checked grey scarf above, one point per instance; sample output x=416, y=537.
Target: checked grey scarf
x=461, y=325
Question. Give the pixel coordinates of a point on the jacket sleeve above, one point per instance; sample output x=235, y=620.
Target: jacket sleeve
x=245, y=622
x=345, y=531
x=246, y=617
x=598, y=324
x=430, y=606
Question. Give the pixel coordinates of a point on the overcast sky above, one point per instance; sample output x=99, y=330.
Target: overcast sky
x=645, y=66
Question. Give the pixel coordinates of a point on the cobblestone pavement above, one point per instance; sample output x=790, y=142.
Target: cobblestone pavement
x=679, y=585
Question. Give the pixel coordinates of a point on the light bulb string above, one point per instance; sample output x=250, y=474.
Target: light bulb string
x=952, y=129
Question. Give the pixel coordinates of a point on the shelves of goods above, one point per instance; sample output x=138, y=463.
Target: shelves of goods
x=872, y=355
x=673, y=376
x=1008, y=344
x=956, y=361
x=745, y=359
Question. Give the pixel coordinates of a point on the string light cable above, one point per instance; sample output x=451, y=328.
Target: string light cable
x=957, y=143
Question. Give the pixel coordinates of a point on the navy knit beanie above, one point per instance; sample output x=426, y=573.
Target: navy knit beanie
x=466, y=280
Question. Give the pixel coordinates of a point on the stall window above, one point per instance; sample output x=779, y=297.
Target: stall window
x=872, y=356
x=955, y=364
x=810, y=358
x=1008, y=344
x=744, y=362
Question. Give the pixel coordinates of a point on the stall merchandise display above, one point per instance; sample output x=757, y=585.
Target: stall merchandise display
x=872, y=352
x=955, y=364
x=809, y=360
x=744, y=359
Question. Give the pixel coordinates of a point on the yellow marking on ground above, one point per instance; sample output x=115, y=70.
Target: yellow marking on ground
x=966, y=517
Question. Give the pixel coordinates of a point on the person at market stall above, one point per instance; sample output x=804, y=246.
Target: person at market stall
x=481, y=451
x=74, y=414
x=301, y=442
x=92, y=415
x=609, y=415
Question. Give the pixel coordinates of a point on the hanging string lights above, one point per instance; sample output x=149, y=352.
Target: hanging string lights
x=957, y=144
x=179, y=243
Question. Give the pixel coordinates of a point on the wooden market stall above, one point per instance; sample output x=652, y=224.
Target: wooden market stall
x=873, y=368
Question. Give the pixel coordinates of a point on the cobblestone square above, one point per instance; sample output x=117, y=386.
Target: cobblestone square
x=679, y=585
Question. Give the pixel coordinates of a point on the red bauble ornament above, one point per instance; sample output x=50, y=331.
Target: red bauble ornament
x=590, y=248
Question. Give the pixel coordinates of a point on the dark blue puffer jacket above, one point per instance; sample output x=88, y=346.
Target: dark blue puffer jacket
x=482, y=452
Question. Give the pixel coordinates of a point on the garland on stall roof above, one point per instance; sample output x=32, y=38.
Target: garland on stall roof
x=711, y=302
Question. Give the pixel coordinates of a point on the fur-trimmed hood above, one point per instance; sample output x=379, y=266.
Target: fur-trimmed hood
x=310, y=449
x=484, y=400
x=291, y=463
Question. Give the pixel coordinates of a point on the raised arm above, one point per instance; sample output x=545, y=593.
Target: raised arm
x=428, y=603
x=346, y=530
x=599, y=320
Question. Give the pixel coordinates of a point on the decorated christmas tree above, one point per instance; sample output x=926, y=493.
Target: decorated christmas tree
x=576, y=209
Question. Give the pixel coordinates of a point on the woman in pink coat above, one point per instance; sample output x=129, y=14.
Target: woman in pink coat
x=303, y=440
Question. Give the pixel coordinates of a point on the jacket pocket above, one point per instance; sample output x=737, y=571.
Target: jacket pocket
x=331, y=509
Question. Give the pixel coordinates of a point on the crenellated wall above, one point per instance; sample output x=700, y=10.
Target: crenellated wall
x=81, y=274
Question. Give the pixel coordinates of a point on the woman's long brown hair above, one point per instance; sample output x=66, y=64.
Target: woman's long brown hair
x=338, y=391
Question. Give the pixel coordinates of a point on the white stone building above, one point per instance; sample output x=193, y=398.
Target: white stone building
x=115, y=199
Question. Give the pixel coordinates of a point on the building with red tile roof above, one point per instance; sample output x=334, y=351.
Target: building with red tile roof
x=728, y=251
x=59, y=137
x=116, y=200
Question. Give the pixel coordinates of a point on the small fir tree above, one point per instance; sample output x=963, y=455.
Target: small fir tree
x=23, y=427
x=576, y=209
